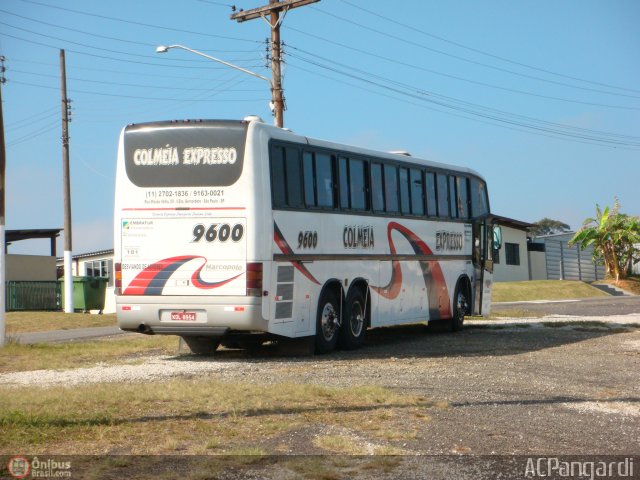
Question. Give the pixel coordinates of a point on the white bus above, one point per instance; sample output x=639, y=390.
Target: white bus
x=239, y=231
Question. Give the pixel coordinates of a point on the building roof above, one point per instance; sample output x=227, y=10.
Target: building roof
x=28, y=234
x=98, y=253
x=512, y=222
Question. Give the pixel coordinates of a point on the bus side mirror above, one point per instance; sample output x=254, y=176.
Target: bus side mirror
x=497, y=237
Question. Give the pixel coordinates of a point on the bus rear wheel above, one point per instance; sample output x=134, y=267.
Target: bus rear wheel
x=328, y=322
x=354, y=325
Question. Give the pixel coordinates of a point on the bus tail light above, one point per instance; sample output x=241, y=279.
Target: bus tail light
x=254, y=279
x=118, y=278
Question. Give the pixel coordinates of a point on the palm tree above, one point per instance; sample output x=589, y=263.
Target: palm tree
x=614, y=237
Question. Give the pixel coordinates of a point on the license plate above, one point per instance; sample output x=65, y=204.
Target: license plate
x=183, y=316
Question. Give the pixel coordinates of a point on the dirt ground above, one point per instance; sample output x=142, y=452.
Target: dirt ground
x=549, y=389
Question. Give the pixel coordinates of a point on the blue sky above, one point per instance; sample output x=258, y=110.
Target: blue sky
x=542, y=98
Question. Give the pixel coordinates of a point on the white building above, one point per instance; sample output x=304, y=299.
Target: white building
x=511, y=262
x=94, y=264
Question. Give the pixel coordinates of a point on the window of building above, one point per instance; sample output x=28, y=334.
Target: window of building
x=512, y=253
x=443, y=195
x=100, y=268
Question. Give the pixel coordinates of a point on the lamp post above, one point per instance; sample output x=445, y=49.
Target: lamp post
x=166, y=48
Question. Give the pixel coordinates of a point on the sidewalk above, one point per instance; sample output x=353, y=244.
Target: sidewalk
x=54, y=336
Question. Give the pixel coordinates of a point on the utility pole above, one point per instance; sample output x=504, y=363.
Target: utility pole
x=66, y=188
x=3, y=246
x=274, y=9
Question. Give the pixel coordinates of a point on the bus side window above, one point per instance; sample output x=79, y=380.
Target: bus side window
x=309, y=184
x=453, y=203
x=405, y=202
x=417, y=194
x=324, y=176
x=443, y=195
x=391, y=188
x=377, y=192
x=294, y=177
x=278, y=177
x=479, y=203
x=343, y=178
x=358, y=184
x=463, y=199
x=432, y=206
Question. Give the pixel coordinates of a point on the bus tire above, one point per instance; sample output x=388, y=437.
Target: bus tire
x=460, y=306
x=354, y=324
x=199, y=345
x=328, y=322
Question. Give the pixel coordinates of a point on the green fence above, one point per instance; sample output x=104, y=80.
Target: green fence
x=33, y=296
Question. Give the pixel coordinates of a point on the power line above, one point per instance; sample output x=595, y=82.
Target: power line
x=458, y=101
x=103, y=49
x=106, y=57
x=35, y=134
x=467, y=60
x=453, y=114
x=456, y=77
x=137, y=97
x=135, y=85
x=485, y=115
x=93, y=34
x=131, y=22
x=483, y=52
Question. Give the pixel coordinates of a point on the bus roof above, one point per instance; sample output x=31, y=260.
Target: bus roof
x=288, y=135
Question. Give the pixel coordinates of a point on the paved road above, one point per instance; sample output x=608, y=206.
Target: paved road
x=68, y=335
x=585, y=307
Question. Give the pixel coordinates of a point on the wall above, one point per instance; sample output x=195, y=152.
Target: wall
x=512, y=273
x=30, y=268
x=569, y=263
x=537, y=266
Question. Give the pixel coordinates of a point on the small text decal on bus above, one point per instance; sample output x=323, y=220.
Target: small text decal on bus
x=190, y=156
x=449, y=240
x=358, y=236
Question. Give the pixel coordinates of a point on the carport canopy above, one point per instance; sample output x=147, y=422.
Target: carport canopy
x=30, y=234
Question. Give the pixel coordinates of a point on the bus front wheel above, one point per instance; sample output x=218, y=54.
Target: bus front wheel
x=328, y=322
x=460, y=307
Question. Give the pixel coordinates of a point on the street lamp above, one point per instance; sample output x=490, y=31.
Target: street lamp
x=166, y=48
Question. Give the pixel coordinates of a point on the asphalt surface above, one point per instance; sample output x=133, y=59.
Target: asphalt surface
x=600, y=306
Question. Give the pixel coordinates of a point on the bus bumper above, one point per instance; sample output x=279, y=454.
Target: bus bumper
x=206, y=317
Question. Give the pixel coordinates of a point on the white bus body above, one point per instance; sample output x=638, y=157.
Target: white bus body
x=229, y=227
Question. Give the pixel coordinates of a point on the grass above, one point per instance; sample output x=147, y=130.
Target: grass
x=21, y=322
x=543, y=290
x=15, y=357
x=200, y=417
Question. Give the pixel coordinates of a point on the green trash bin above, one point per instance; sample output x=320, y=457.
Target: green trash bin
x=88, y=293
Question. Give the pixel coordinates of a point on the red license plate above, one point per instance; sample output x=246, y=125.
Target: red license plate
x=183, y=316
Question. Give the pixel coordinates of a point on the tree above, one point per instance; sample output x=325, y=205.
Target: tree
x=548, y=226
x=615, y=238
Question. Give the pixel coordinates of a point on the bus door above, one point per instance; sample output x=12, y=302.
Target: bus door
x=486, y=237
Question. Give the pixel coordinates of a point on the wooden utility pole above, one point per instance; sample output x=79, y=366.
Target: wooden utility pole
x=3, y=163
x=274, y=11
x=66, y=188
